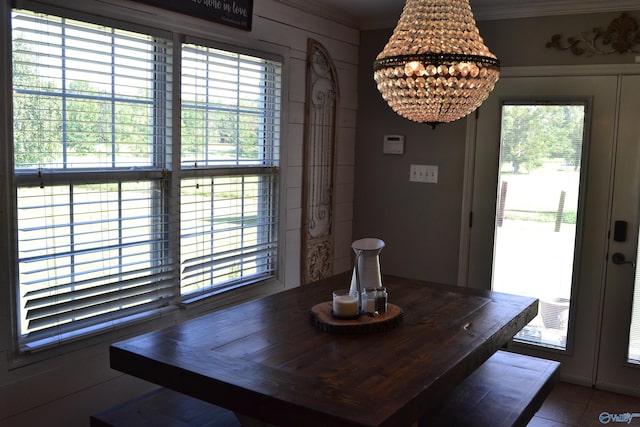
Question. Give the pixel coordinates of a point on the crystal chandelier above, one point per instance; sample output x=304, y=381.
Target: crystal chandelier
x=435, y=67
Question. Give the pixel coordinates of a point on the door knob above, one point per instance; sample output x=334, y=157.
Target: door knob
x=619, y=259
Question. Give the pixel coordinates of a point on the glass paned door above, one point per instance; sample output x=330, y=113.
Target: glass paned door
x=524, y=237
x=618, y=366
x=564, y=186
x=541, y=148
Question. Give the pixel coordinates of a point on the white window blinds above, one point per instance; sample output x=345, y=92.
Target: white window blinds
x=91, y=115
x=103, y=238
x=230, y=108
x=230, y=150
x=87, y=96
x=89, y=256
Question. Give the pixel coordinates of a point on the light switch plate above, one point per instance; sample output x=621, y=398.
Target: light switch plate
x=423, y=173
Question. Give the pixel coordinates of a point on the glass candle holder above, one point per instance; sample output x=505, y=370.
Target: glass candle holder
x=345, y=303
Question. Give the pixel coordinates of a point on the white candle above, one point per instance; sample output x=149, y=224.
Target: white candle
x=345, y=305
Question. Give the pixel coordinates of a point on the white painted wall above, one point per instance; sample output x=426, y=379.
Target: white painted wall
x=63, y=387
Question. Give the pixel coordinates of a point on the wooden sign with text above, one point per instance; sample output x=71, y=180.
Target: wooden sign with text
x=235, y=13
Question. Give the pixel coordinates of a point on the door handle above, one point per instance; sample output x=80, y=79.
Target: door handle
x=619, y=259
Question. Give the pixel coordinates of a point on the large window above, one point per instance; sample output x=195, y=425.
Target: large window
x=230, y=119
x=102, y=238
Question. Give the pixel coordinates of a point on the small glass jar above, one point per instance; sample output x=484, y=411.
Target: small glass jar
x=381, y=300
x=369, y=300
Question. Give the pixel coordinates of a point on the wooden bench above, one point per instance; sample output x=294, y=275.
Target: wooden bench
x=507, y=390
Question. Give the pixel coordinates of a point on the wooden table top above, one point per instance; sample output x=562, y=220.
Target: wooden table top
x=266, y=359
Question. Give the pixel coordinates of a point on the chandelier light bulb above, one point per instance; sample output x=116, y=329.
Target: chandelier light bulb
x=435, y=68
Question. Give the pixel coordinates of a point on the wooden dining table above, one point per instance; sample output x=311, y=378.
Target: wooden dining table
x=272, y=360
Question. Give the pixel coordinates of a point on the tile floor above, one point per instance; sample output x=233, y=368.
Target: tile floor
x=572, y=405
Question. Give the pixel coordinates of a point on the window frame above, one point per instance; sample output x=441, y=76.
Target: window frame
x=172, y=174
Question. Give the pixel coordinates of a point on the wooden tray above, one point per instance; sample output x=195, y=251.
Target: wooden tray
x=322, y=319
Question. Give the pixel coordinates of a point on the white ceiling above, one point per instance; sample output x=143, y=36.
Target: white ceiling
x=372, y=14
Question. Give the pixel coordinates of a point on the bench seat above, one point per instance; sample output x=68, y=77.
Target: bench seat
x=507, y=390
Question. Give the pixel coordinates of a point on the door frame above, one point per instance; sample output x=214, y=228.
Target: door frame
x=470, y=171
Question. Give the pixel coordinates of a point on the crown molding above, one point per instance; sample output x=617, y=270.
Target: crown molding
x=509, y=9
x=483, y=10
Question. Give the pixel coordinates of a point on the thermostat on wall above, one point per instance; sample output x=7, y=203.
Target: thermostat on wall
x=393, y=144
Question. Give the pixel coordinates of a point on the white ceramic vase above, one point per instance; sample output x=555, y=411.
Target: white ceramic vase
x=367, y=263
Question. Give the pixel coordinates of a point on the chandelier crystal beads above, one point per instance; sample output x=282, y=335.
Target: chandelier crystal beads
x=435, y=67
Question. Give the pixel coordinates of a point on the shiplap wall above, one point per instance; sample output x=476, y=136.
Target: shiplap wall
x=63, y=387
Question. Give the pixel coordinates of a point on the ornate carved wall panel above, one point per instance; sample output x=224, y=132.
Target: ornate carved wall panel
x=318, y=203
x=622, y=35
